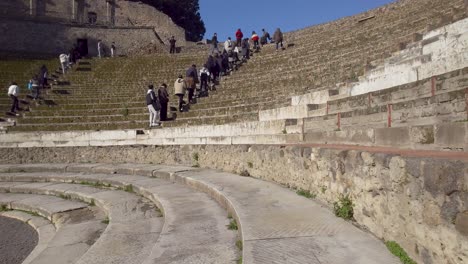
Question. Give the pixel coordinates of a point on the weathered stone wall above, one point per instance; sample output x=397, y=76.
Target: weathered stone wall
x=421, y=203
x=55, y=38
x=56, y=27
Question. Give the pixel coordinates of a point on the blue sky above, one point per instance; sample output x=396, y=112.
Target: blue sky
x=225, y=17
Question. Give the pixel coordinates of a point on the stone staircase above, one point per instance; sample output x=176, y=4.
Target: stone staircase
x=20, y=71
x=275, y=225
x=107, y=94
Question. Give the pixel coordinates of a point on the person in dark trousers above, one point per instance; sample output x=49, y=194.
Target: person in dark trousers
x=154, y=107
x=204, y=76
x=172, y=43
x=13, y=92
x=191, y=79
x=245, y=49
x=44, y=74
x=278, y=38
x=179, y=91
x=214, y=43
x=265, y=38
x=239, y=36
x=163, y=100
x=255, y=40
x=35, y=87
x=213, y=68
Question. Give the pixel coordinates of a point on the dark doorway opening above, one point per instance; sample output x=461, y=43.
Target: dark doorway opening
x=82, y=45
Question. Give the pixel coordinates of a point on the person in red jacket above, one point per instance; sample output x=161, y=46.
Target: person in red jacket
x=255, y=39
x=239, y=36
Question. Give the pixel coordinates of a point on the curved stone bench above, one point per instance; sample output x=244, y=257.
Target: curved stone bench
x=71, y=230
x=133, y=229
x=276, y=225
x=194, y=227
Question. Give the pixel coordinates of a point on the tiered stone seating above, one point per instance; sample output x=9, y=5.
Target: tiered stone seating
x=297, y=230
x=20, y=71
x=73, y=228
x=108, y=94
x=193, y=227
x=105, y=94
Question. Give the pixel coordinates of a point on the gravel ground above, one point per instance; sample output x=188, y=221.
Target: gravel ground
x=17, y=240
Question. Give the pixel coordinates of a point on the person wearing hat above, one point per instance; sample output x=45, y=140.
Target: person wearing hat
x=154, y=106
x=163, y=96
x=179, y=91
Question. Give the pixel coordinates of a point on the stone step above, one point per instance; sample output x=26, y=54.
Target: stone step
x=124, y=240
x=194, y=224
x=294, y=223
x=44, y=228
x=72, y=230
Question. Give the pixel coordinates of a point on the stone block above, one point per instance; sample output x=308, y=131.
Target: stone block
x=451, y=135
x=461, y=223
x=422, y=134
x=396, y=136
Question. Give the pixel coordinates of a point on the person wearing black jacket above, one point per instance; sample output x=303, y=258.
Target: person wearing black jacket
x=154, y=106
x=191, y=79
x=172, y=43
x=163, y=97
x=214, y=43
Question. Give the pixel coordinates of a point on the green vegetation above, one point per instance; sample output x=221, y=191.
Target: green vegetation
x=239, y=261
x=106, y=221
x=129, y=188
x=344, y=208
x=323, y=189
x=250, y=164
x=232, y=224
x=284, y=131
x=239, y=244
x=92, y=203
x=306, y=193
x=65, y=196
x=96, y=184
x=4, y=208
x=185, y=13
x=196, y=158
x=396, y=250
x=245, y=173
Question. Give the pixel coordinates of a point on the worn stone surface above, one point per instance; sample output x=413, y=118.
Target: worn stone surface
x=194, y=225
x=414, y=201
x=18, y=239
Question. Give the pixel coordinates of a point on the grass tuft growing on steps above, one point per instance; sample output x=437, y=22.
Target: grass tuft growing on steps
x=399, y=252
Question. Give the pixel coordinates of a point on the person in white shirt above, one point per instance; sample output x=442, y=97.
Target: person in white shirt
x=228, y=45
x=113, y=49
x=13, y=92
x=64, y=62
x=204, y=76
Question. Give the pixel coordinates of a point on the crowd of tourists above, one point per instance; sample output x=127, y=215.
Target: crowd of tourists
x=219, y=63
x=38, y=82
x=195, y=84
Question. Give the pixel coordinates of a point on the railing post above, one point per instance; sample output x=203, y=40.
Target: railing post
x=389, y=115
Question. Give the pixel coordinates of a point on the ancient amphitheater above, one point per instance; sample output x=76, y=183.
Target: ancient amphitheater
x=365, y=116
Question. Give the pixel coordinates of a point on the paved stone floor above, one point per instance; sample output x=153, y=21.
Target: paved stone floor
x=17, y=240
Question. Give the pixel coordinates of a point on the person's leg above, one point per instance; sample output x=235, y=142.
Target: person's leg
x=163, y=112
x=181, y=102
x=13, y=104
x=63, y=67
x=157, y=118
x=190, y=94
x=152, y=115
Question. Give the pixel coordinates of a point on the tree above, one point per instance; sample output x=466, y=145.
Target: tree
x=185, y=13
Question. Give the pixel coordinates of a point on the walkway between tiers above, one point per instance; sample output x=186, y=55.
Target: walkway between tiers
x=277, y=225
